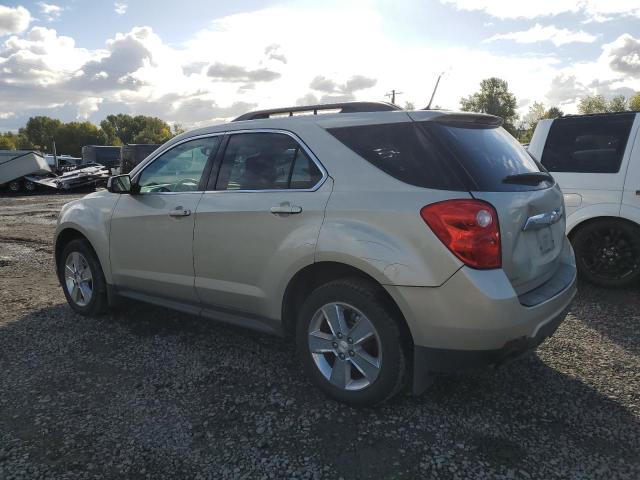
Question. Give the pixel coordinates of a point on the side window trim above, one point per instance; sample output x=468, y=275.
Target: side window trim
x=213, y=178
x=207, y=167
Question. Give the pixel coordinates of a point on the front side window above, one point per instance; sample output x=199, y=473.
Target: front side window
x=266, y=161
x=180, y=169
x=587, y=145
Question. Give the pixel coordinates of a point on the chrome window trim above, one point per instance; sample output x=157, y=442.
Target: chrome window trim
x=134, y=179
x=299, y=141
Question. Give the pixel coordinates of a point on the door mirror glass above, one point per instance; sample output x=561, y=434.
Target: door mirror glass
x=119, y=184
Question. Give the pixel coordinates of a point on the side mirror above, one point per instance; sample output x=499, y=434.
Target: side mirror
x=119, y=184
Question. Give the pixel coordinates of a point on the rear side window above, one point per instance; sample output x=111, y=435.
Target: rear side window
x=587, y=145
x=445, y=157
x=266, y=161
x=403, y=151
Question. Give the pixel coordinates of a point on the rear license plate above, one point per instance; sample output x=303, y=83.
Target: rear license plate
x=545, y=240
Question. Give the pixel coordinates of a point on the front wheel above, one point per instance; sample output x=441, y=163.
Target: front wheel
x=82, y=279
x=608, y=253
x=350, y=343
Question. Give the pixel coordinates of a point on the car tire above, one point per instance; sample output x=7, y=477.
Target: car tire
x=608, y=253
x=15, y=186
x=356, y=372
x=82, y=278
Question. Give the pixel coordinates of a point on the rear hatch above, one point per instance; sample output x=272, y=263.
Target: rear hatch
x=497, y=169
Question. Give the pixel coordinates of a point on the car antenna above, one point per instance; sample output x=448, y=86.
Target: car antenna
x=433, y=94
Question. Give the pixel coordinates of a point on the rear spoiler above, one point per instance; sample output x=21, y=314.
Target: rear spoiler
x=469, y=120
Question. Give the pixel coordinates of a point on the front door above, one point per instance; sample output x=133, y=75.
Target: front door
x=151, y=238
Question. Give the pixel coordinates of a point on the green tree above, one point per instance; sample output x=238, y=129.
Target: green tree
x=72, y=136
x=617, y=104
x=8, y=142
x=592, y=104
x=634, y=103
x=177, y=129
x=122, y=128
x=553, y=112
x=493, y=98
x=154, y=131
x=534, y=115
x=40, y=131
x=409, y=106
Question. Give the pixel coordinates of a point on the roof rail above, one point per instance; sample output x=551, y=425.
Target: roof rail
x=346, y=107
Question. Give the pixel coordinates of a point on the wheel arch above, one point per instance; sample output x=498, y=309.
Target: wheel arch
x=589, y=221
x=312, y=276
x=63, y=238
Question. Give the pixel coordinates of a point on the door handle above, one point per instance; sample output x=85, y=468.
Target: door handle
x=180, y=212
x=285, y=208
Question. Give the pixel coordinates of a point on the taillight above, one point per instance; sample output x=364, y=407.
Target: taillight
x=469, y=228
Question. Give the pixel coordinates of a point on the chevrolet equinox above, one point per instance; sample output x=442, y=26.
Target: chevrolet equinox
x=389, y=245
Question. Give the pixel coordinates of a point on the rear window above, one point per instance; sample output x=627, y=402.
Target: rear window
x=446, y=157
x=587, y=145
x=403, y=151
x=488, y=155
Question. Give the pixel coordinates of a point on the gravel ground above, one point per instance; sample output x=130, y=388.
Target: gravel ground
x=149, y=393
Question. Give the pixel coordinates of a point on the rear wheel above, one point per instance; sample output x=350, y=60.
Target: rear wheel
x=608, y=252
x=29, y=186
x=15, y=186
x=82, y=279
x=350, y=343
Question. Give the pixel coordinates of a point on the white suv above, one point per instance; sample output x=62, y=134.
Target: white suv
x=596, y=161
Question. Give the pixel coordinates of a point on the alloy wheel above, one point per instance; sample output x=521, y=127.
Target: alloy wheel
x=345, y=346
x=611, y=253
x=78, y=279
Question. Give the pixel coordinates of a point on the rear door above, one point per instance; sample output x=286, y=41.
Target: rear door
x=258, y=223
x=529, y=205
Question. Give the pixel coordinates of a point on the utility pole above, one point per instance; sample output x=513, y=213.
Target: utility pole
x=393, y=94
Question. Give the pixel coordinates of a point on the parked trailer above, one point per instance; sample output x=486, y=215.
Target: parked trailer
x=107, y=155
x=134, y=153
x=15, y=165
x=90, y=175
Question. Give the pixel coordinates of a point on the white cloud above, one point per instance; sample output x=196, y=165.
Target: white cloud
x=50, y=11
x=217, y=74
x=623, y=55
x=548, y=33
x=597, y=10
x=13, y=20
x=120, y=8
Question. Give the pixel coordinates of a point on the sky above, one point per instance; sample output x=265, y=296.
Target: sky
x=198, y=62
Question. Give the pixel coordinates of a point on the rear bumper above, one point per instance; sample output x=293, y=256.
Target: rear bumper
x=477, y=319
x=445, y=360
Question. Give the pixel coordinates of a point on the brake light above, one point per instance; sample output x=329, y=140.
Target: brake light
x=469, y=228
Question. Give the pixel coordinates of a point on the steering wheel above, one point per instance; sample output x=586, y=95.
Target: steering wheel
x=184, y=181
